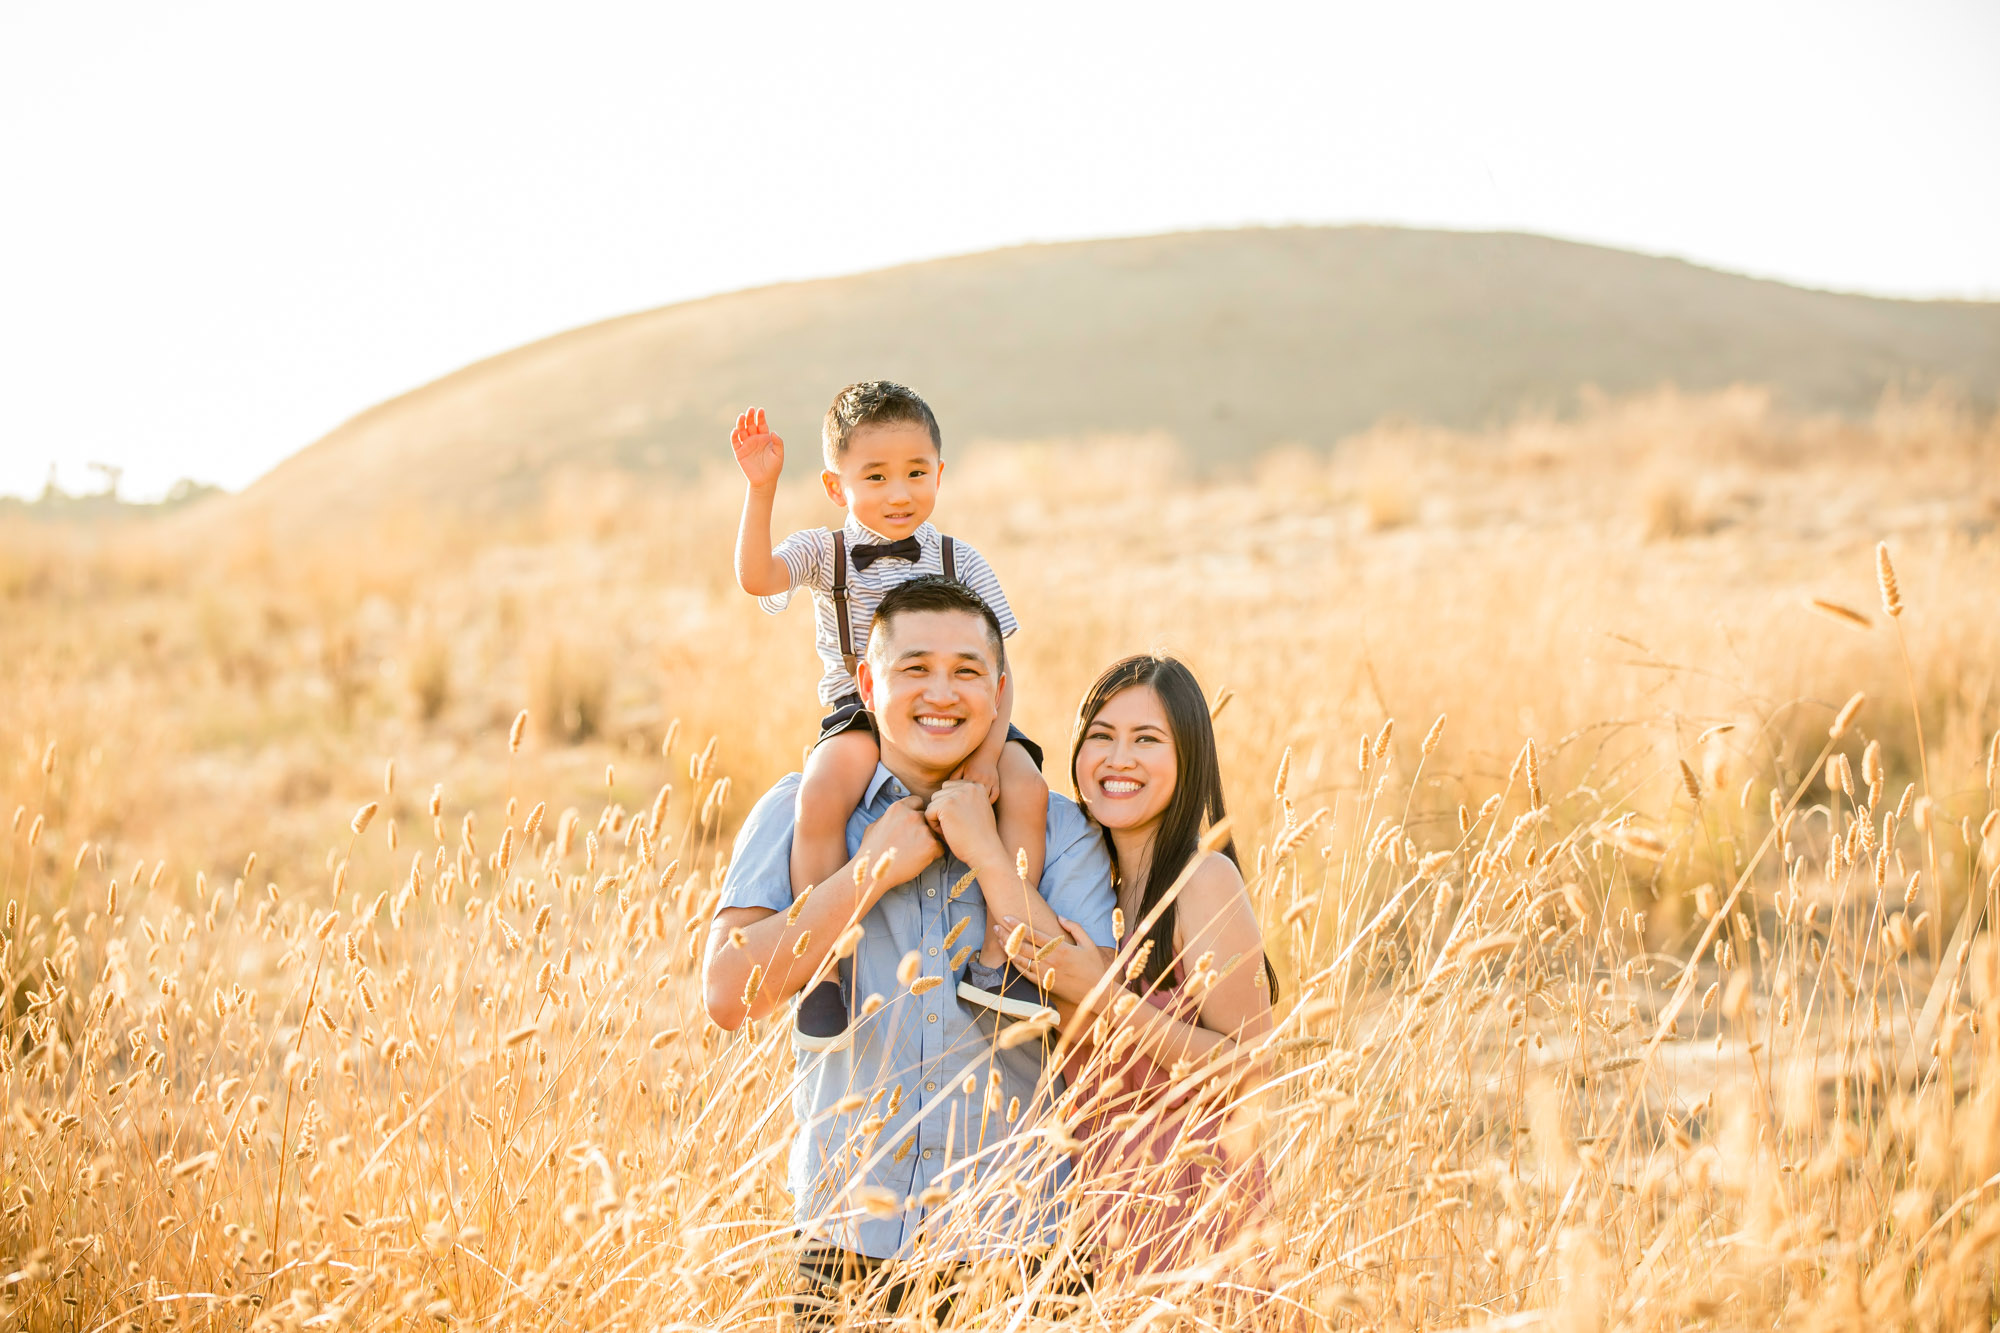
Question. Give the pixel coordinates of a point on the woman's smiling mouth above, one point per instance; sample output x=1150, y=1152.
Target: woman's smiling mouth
x=1119, y=786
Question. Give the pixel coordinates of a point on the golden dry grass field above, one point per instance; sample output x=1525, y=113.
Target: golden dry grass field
x=328, y=1007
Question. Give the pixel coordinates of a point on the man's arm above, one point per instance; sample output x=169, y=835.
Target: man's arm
x=761, y=455
x=786, y=948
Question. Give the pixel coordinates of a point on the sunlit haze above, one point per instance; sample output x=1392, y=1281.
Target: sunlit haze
x=229, y=228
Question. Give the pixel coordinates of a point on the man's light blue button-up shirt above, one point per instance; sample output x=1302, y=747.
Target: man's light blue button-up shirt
x=909, y=1062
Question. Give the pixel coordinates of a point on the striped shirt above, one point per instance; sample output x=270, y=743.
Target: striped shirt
x=808, y=555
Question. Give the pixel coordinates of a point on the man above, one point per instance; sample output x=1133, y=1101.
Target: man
x=889, y=1134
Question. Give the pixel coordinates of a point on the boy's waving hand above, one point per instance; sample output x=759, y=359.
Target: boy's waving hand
x=759, y=452
x=761, y=455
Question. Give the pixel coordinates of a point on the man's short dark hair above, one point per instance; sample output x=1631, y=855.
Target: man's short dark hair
x=935, y=592
x=873, y=403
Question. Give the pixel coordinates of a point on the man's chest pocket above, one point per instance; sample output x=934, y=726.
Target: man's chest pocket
x=964, y=925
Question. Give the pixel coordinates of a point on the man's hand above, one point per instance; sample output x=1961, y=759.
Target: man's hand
x=904, y=836
x=759, y=452
x=981, y=772
x=963, y=816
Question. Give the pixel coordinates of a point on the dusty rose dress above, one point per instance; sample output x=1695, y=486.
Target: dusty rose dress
x=1165, y=1179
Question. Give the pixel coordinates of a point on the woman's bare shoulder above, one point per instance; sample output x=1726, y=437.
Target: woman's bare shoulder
x=1216, y=874
x=1216, y=890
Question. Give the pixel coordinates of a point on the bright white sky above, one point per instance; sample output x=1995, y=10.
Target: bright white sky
x=225, y=229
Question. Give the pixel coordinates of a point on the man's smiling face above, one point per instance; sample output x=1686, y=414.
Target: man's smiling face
x=933, y=680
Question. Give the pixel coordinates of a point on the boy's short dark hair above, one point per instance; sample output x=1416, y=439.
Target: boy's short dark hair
x=935, y=592
x=873, y=403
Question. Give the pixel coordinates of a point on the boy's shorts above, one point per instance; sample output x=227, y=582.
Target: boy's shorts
x=850, y=714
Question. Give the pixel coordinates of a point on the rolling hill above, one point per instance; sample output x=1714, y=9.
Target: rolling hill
x=1230, y=341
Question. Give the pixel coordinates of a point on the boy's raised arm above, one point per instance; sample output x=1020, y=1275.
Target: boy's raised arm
x=761, y=455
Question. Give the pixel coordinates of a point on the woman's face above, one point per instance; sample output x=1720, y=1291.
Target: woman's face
x=1125, y=768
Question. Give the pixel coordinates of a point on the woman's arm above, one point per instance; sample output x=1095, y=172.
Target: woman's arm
x=1217, y=921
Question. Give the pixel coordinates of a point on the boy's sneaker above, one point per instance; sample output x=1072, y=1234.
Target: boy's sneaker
x=821, y=1019
x=1006, y=992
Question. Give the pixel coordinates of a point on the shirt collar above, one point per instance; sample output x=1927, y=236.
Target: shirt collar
x=883, y=779
x=859, y=534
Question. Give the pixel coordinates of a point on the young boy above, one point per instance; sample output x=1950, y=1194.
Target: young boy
x=881, y=446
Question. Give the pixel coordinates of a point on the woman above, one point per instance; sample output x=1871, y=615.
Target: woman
x=1162, y=1028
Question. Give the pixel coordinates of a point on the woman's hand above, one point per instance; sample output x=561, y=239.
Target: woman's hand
x=1067, y=968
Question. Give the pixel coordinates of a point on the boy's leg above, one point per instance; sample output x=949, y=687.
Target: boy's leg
x=1023, y=818
x=836, y=778
x=1023, y=810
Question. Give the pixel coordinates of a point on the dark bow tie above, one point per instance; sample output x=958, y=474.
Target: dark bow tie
x=906, y=549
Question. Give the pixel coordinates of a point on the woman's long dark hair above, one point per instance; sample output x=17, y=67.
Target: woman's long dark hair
x=1195, y=806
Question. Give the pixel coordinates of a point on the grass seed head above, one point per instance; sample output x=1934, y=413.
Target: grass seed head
x=1885, y=578
x=1846, y=716
x=1846, y=615
x=1690, y=782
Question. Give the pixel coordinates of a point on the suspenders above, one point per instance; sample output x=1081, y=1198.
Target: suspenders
x=946, y=548
x=840, y=615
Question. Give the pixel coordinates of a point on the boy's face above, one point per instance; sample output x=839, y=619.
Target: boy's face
x=888, y=479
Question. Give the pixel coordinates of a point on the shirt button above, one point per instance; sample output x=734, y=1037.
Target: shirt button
x=930, y=1087
x=933, y=1018
x=927, y=1154
x=930, y=893
x=934, y=951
